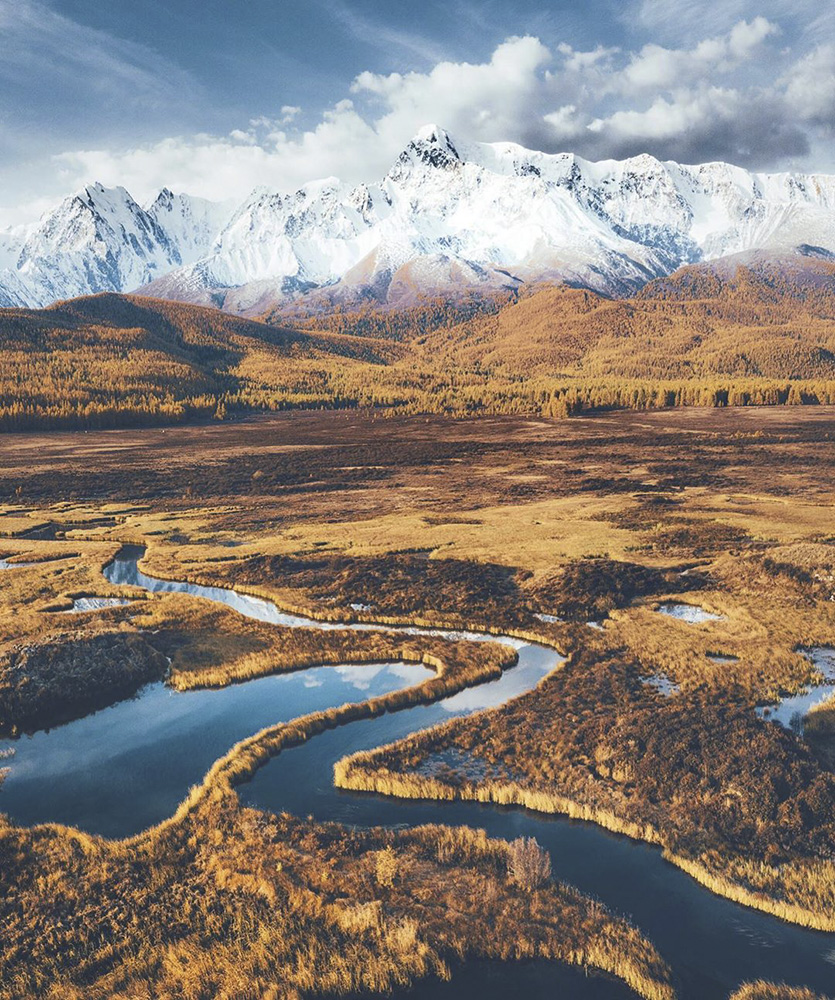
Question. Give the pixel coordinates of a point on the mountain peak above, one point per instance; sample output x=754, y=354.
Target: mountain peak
x=106, y=201
x=435, y=135
x=164, y=200
x=432, y=146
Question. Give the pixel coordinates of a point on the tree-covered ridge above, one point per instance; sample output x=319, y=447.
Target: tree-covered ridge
x=113, y=360
x=758, y=323
x=759, y=336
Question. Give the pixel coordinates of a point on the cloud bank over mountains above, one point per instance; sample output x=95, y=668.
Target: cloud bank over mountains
x=755, y=89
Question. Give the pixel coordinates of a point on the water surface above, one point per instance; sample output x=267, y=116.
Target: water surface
x=123, y=768
x=690, y=613
x=792, y=710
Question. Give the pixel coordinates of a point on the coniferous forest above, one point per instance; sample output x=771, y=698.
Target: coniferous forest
x=760, y=337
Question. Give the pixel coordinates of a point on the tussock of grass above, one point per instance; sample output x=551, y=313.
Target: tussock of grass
x=819, y=730
x=762, y=990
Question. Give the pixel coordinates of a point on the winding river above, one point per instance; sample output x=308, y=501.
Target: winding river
x=119, y=770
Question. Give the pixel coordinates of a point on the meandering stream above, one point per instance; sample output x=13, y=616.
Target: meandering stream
x=121, y=769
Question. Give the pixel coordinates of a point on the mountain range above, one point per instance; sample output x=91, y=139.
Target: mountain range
x=449, y=219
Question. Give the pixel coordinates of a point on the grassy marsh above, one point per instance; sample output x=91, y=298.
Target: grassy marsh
x=482, y=524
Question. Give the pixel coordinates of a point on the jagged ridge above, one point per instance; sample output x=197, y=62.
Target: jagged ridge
x=447, y=217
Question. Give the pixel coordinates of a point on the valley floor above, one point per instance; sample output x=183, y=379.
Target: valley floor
x=656, y=725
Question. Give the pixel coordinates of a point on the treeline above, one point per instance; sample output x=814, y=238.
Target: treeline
x=155, y=412
x=473, y=395
x=539, y=398
x=647, y=396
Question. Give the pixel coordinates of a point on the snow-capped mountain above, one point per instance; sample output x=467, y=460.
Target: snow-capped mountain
x=101, y=240
x=448, y=217
x=191, y=225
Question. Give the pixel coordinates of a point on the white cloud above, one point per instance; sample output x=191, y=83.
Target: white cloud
x=658, y=68
x=483, y=100
x=810, y=87
x=222, y=167
x=711, y=123
x=480, y=101
x=716, y=98
x=576, y=61
x=747, y=36
x=563, y=121
x=665, y=119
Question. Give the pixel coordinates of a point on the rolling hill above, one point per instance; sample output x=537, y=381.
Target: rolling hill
x=111, y=359
x=768, y=319
x=754, y=331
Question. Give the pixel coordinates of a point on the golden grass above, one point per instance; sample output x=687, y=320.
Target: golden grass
x=819, y=730
x=212, y=646
x=764, y=635
x=814, y=883
x=561, y=924
x=359, y=773
x=762, y=990
x=544, y=534
x=770, y=519
x=275, y=906
x=765, y=887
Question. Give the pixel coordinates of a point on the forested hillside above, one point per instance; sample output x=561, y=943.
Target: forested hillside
x=113, y=360
x=758, y=335
x=693, y=325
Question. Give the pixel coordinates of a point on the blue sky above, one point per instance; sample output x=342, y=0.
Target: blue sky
x=218, y=96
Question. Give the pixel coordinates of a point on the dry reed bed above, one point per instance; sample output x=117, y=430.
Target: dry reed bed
x=482, y=663
x=585, y=772
x=554, y=922
x=538, y=799
x=763, y=670
x=455, y=671
x=819, y=730
x=764, y=636
x=162, y=565
x=358, y=773
x=708, y=459
x=55, y=667
x=211, y=646
x=241, y=905
x=61, y=571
